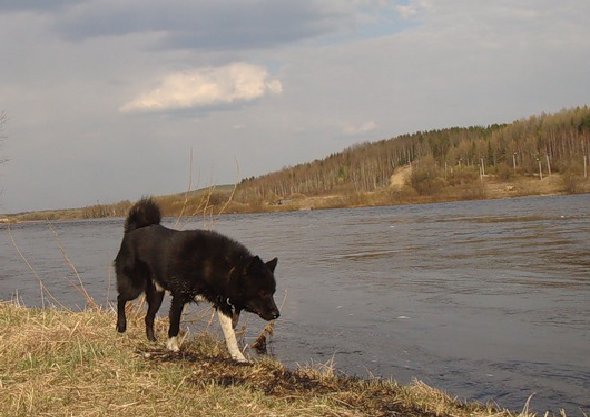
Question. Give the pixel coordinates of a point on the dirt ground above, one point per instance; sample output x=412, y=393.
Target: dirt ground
x=493, y=188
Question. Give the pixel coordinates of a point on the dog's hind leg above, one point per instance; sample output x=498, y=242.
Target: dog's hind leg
x=154, y=299
x=176, y=307
x=121, y=317
x=126, y=293
x=230, y=337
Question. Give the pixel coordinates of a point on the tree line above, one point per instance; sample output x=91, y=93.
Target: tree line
x=555, y=142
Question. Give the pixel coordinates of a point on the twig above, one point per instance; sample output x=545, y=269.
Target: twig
x=213, y=219
x=80, y=288
x=283, y=302
x=204, y=202
x=109, y=274
x=210, y=322
x=41, y=285
x=260, y=343
x=197, y=316
x=190, y=180
x=135, y=309
x=525, y=409
x=206, y=205
x=231, y=197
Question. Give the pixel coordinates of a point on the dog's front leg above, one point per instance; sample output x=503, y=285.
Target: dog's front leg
x=176, y=307
x=230, y=337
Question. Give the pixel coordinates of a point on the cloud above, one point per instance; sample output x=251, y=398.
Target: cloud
x=35, y=6
x=412, y=9
x=207, y=87
x=358, y=129
x=205, y=24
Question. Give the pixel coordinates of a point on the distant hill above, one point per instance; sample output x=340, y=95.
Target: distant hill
x=499, y=160
x=556, y=141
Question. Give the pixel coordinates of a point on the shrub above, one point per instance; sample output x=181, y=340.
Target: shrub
x=571, y=181
x=572, y=176
x=505, y=172
x=425, y=178
x=464, y=176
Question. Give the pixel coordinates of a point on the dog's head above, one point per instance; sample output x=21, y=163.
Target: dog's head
x=257, y=287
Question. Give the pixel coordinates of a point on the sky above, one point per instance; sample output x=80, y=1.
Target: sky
x=106, y=98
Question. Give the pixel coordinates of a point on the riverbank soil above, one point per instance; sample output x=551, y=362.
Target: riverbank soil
x=400, y=192
x=522, y=186
x=58, y=362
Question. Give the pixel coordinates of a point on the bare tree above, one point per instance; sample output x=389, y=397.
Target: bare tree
x=3, y=119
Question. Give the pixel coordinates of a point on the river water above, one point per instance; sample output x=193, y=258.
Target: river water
x=488, y=300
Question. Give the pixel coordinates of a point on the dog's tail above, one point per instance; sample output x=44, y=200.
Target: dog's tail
x=143, y=213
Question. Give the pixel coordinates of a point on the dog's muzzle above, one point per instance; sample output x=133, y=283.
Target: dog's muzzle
x=269, y=316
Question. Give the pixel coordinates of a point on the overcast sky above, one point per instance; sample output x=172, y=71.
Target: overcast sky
x=105, y=98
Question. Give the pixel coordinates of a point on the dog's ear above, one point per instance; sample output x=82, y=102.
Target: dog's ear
x=272, y=264
x=249, y=263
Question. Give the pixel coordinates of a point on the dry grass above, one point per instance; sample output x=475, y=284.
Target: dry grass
x=63, y=363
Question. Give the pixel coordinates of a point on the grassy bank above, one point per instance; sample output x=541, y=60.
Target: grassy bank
x=62, y=363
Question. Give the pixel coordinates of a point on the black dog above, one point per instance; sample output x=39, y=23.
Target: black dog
x=192, y=265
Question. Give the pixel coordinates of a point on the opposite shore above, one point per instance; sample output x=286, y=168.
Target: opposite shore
x=215, y=201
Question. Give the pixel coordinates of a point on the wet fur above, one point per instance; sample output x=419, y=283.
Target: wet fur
x=192, y=264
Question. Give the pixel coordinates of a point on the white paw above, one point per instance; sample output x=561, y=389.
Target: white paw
x=172, y=344
x=240, y=358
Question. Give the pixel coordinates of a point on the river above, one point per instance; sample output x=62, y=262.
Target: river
x=488, y=300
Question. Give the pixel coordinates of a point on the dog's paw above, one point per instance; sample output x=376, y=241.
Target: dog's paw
x=172, y=344
x=241, y=359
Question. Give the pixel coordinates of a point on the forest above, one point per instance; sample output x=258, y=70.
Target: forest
x=547, y=143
